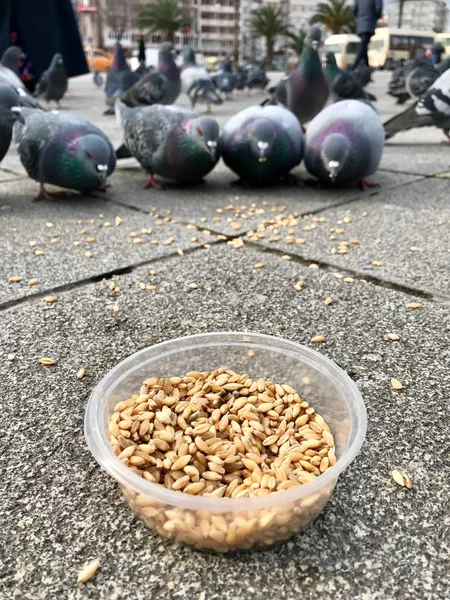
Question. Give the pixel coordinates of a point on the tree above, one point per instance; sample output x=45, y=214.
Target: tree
x=336, y=15
x=117, y=15
x=165, y=17
x=296, y=41
x=269, y=22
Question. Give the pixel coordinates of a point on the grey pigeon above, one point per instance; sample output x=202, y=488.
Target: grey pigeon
x=9, y=73
x=9, y=113
x=362, y=73
x=261, y=144
x=226, y=80
x=119, y=78
x=411, y=79
x=305, y=90
x=53, y=82
x=159, y=87
x=197, y=83
x=433, y=108
x=64, y=150
x=344, y=143
x=343, y=85
x=420, y=79
x=169, y=141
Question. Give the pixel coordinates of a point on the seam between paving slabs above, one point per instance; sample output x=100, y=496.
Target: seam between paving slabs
x=66, y=287
x=329, y=267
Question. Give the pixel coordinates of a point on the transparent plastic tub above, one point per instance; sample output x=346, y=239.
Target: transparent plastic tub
x=226, y=524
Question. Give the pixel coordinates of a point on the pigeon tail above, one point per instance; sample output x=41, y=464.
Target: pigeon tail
x=123, y=152
x=408, y=119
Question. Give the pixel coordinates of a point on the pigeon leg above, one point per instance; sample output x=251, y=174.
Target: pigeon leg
x=152, y=183
x=43, y=194
x=363, y=184
x=208, y=109
x=447, y=141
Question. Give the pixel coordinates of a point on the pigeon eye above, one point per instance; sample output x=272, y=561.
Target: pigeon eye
x=200, y=132
x=88, y=154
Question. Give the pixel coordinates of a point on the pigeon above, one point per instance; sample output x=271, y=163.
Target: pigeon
x=53, y=82
x=169, y=141
x=343, y=85
x=97, y=79
x=241, y=78
x=64, y=150
x=305, y=90
x=226, y=80
x=142, y=69
x=197, y=83
x=344, y=143
x=443, y=65
x=9, y=73
x=119, y=78
x=160, y=87
x=420, y=79
x=411, y=79
x=262, y=144
x=432, y=108
x=256, y=79
x=362, y=73
x=10, y=112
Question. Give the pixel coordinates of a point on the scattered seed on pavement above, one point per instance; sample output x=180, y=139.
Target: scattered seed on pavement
x=180, y=252
x=32, y=282
x=115, y=308
x=54, y=240
x=414, y=305
x=376, y=263
x=81, y=373
x=259, y=265
x=193, y=286
x=236, y=243
x=328, y=300
x=39, y=253
x=138, y=241
x=393, y=336
x=49, y=225
x=88, y=572
x=50, y=299
x=10, y=357
x=317, y=339
x=313, y=266
x=349, y=280
x=88, y=254
x=90, y=240
x=33, y=243
x=118, y=221
x=46, y=361
x=15, y=279
x=286, y=257
x=401, y=479
x=76, y=243
x=396, y=384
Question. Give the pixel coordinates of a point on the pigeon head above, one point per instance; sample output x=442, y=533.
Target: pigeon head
x=93, y=154
x=314, y=38
x=119, y=58
x=330, y=59
x=188, y=56
x=262, y=134
x=58, y=61
x=205, y=132
x=9, y=105
x=166, y=52
x=12, y=58
x=334, y=153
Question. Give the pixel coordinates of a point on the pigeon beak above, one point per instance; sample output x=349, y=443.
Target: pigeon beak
x=211, y=147
x=17, y=114
x=262, y=147
x=315, y=45
x=102, y=171
x=333, y=169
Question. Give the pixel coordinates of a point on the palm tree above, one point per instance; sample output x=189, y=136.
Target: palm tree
x=165, y=17
x=270, y=22
x=336, y=15
x=296, y=41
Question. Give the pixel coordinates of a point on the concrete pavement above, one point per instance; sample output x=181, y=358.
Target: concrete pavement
x=374, y=540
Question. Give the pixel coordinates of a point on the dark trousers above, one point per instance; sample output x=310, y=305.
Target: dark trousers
x=362, y=53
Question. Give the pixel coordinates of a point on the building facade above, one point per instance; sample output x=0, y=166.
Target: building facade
x=427, y=15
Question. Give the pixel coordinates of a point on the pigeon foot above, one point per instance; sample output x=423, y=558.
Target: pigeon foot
x=363, y=184
x=43, y=194
x=152, y=183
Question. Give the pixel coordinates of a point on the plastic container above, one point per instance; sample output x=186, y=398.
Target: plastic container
x=224, y=524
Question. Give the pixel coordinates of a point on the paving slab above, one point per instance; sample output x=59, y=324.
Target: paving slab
x=397, y=236
x=404, y=153
x=23, y=221
x=224, y=206
x=374, y=540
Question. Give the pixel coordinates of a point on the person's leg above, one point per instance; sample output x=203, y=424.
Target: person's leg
x=362, y=52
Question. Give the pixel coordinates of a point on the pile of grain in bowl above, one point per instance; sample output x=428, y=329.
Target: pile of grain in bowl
x=221, y=434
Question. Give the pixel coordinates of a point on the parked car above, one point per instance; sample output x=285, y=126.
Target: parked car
x=102, y=60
